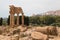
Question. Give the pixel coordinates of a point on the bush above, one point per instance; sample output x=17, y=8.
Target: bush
x=4, y=23
x=45, y=20
x=56, y=24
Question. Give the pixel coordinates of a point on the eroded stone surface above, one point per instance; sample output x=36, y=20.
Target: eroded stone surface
x=38, y=35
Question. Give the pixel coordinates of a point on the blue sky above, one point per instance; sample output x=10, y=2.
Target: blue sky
x=29, y=6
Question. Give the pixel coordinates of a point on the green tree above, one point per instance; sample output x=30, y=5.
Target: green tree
x=35, y=20
x=48, y=20
x=1, y=20
x=8, y=20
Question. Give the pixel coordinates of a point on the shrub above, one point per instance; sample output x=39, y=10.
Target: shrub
x=56, y=24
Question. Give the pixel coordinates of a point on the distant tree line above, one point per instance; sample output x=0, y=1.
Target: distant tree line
x=35, y=20
x=26, y=20
x=45, y=20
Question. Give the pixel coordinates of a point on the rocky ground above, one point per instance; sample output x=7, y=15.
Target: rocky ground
x=30, y=33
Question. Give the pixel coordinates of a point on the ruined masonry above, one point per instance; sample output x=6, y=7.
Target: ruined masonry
x=15, y=10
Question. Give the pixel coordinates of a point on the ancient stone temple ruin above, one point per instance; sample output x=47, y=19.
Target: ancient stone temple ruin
x=15, y=10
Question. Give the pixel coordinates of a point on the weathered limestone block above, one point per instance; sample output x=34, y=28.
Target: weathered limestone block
x=41, y=29
x=15, y=37
x=22, y=28
x=26, y=38
x=39, y=36
x=28, y=32
x=5, y=37
x=47, y=30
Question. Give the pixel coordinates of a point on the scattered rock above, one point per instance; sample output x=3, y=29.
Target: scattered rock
x=47, y=30
x=28, y=32
x=4, y=37
x=15, y=37
x=26, y=38
x=38, y=35
x=22, y=29
x=32, y=33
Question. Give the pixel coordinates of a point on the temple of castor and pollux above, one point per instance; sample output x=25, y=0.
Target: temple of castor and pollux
x=15, y=10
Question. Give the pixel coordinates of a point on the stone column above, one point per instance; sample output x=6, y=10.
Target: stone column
x=17, y=19
x=11, y=20
x=22, y=20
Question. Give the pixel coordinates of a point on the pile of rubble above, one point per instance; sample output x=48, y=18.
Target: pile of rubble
x=32, y=33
